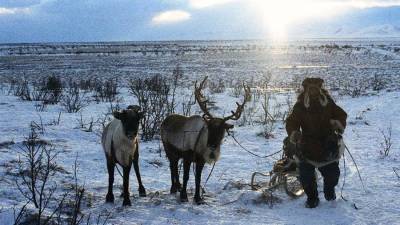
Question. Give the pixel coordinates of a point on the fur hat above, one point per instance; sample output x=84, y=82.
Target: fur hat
x=312, y=81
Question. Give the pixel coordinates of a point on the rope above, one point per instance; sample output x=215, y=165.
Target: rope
x=345, y=174
x=203, y=187
x=358, y=171
x=250, y=152
x=209, y=175
x=118, y=170
x=344, y=178
x=344, y=182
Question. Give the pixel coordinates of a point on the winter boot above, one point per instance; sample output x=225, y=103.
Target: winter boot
x=312, y=202
x=312, y=195
x=329, y=194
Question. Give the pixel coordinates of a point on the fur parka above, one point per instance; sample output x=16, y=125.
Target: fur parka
x=315, y=124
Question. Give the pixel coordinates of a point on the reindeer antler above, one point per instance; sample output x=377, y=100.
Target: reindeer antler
x=201, y=100
x=239, y=109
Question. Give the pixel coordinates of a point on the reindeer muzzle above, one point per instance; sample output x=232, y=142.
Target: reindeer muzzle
x=212, y=155
x=131, y=135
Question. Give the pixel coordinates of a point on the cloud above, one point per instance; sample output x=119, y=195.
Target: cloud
x=18, y=3
x=77, y=20
x=371, y=3
x=11, y=7
x=171, y=16
x=199, y=4
x=355, y=3
x=9, y=11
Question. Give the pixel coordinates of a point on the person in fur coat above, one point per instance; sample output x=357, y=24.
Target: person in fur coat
x=315, y=126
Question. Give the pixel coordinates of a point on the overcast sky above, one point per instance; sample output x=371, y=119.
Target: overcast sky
x=130, y=20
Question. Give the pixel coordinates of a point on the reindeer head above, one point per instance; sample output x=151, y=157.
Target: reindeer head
x=130, y=118
x=217, y=126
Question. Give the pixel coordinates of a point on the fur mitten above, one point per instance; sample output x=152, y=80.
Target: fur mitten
x=295, y=137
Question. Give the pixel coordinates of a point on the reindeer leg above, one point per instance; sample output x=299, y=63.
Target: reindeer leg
x=142, y=190
x=177, y=183
x=126, y=170
x=186, y=170
x=110, y=169
x=199, y=169
x=173, y=166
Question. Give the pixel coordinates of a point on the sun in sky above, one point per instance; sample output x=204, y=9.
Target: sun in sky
x=276, y=20
x=279, y=16
x=276, y=17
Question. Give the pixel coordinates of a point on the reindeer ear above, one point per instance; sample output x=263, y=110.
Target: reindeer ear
x=119, y=115
x=134, y=108
x=228, y=126
x=319, y=82
x=141, y=115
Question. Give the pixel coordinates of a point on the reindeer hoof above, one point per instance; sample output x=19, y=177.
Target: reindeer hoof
x=110, y=198
x=126, y=202
x=184, y=197
x=142, y=192
x=174, y=189
x=199, y=201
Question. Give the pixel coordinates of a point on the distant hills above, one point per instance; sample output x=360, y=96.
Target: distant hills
x=384, y=30
x=370, y=22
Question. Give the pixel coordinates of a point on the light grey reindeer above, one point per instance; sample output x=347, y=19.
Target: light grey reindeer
x=195, y=139
x=120, y=144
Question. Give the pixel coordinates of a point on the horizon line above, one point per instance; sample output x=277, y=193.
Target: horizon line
x=207, y=40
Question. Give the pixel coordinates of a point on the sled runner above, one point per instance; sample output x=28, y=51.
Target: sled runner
x=283, y=175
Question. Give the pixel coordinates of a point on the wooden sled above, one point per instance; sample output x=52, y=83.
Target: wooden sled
x=283, y=175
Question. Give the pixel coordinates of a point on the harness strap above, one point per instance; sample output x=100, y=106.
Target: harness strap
x=317, y=164
x=250, y=152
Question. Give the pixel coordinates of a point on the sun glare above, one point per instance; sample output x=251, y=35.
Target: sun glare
x=279, y=15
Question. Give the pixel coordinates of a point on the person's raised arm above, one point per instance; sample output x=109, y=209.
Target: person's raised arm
x=338, y=120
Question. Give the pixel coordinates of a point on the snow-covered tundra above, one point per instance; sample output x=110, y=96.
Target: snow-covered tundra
x=229, y=198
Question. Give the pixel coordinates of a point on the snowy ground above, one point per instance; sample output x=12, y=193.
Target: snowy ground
x=380, y=205
x=367, y=114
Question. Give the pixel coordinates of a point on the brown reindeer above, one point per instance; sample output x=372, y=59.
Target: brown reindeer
x=195, y=139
